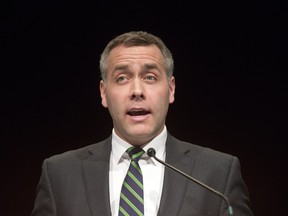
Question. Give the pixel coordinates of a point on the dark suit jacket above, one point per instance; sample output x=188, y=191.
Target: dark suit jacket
x=76, y=183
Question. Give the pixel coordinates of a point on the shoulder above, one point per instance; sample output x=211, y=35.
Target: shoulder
x=84, y=153
x=207, y=163
x=200, y=153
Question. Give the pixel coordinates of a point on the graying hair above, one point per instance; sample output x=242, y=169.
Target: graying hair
x=137, y=38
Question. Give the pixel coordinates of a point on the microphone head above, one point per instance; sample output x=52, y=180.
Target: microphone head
x=151, y=152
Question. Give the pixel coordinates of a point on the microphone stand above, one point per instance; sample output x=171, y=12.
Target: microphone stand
x=152, y=153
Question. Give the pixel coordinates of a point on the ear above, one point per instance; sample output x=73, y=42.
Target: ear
x=102, y=88
x=172, y=87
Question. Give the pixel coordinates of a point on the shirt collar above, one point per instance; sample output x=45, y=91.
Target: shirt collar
x=119, y=146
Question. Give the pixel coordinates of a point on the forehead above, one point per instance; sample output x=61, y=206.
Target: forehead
x=136, y=53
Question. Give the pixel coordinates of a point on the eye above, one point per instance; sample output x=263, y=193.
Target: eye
x=121, y=79
x=151, y=78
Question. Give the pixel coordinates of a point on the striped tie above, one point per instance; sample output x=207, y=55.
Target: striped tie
x=131, y=197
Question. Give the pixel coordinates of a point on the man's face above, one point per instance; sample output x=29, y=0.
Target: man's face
x=137, y=92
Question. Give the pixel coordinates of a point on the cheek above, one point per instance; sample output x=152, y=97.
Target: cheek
x=161, y=104
x=114, y=101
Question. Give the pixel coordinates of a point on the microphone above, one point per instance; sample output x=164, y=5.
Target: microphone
x=152, y=153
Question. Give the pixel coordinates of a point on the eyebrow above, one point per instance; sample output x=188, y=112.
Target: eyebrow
x=144, y=68
x=120, y=67
x=150, y=66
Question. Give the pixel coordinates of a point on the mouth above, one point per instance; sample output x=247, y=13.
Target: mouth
x=138, y=112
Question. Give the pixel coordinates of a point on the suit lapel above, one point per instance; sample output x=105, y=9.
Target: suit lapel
x=96, y=178
x=174, y=185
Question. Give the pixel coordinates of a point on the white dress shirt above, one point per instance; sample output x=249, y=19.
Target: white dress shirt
x=153, y=172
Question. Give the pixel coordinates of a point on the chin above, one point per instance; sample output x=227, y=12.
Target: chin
x=141, y=131
x=142, y=135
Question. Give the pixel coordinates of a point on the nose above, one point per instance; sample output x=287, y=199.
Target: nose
x=137, y=90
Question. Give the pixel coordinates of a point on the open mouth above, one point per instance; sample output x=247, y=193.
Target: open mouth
x=138, y=112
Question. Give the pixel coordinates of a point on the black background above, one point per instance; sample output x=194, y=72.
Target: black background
x=231, y=85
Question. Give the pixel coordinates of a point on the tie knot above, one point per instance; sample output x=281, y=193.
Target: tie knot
x=135, y=153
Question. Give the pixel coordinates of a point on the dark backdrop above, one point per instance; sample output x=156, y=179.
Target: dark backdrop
x=231, y=78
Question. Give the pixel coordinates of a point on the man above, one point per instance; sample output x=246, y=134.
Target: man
x=137, y=87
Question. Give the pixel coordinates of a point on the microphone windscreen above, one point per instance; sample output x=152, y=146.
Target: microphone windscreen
x=151, y=152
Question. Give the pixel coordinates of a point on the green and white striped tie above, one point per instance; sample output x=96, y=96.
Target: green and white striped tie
x=131, y=197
